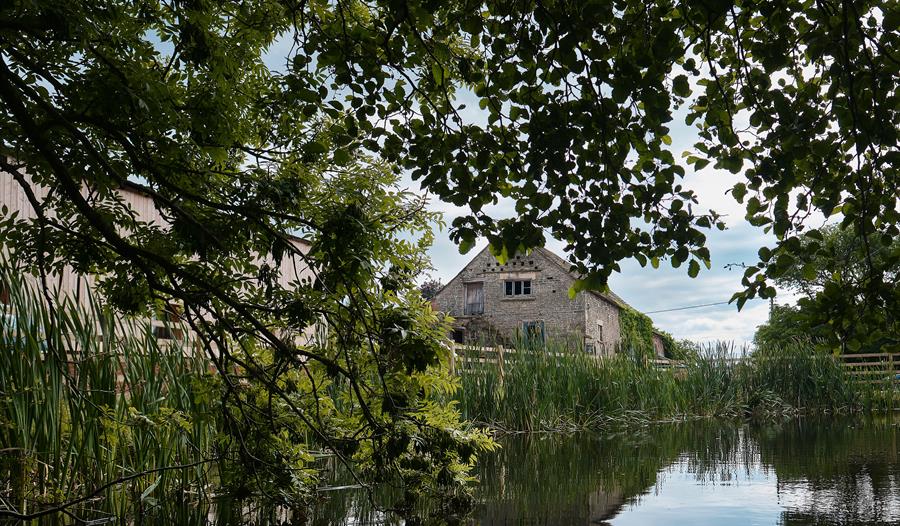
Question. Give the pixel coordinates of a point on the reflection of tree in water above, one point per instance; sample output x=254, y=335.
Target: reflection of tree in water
x=828, y=472
x=836, y=472
x=554, y=480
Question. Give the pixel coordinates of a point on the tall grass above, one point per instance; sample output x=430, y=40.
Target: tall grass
x=86, y=398
x=559, y=390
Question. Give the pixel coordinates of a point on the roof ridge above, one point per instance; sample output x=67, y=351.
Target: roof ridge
x=449, y=281
x=567, y=267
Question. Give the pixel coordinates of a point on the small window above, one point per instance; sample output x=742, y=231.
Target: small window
x=163, y=332
x=518, y=287
x=458, y=336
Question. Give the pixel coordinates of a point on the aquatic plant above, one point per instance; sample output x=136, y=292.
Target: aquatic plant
x=560, y=389
x=102, y=420
x=88, y=398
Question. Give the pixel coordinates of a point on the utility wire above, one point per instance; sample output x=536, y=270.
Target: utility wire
x=688, y=307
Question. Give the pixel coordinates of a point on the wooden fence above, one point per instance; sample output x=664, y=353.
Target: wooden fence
x=869, y=367
x=467, y=355
x=872, y=367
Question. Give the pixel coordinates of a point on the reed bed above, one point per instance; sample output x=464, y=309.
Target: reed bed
x=564, y=390
x=86, y=398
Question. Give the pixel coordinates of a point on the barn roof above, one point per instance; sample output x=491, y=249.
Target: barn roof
x=609, y=295
x=564, y=265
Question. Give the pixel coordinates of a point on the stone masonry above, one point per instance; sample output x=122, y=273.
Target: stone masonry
x=538, y=307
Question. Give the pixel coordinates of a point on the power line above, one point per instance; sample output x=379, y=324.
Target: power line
x=688, y=307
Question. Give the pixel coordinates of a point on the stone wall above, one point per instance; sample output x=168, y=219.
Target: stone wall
x=602, y=330
x=563, y=318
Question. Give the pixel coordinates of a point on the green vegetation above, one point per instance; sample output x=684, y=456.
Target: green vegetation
x=87, y=399
x=568, y=391
x=100, y=419
x=576, y=102
x=831, y=277
x=636, y=330
x=787, y=324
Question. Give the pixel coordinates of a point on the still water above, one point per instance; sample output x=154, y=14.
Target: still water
x=797, y=472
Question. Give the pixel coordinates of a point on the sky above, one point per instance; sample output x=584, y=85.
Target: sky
x=647, y=289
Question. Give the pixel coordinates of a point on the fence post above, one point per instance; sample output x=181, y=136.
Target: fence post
x=452, y=358
x=893, y=383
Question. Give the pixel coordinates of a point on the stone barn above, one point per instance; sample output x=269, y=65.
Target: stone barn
x=528, y=299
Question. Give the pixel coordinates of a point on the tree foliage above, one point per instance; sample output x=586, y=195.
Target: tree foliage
x=786, y=325
x=831, y=275
x=430, y=287
x=92, y=102
x=576, y=102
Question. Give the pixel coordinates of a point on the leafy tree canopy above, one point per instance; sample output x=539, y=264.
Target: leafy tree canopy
x=832, y=274
x=430, y=287
x=786, y=325
x=576, y=103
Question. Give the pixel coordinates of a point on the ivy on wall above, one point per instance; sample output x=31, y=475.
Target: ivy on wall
x=636, y=331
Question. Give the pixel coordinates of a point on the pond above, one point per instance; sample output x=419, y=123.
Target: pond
x=796, y=472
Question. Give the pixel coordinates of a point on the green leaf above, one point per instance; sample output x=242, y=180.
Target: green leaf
x=501, y=254
x=316, y=148
x=680, y=86
x=437, y=72
x=341, y=157
x=146, y=493
x=809, y=272
x=693, y=268
x=466, y=244
x=739, y=191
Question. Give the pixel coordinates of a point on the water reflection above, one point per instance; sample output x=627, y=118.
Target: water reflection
x=798, y=472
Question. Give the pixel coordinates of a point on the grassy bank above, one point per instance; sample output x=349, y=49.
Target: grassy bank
x=558, y=391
